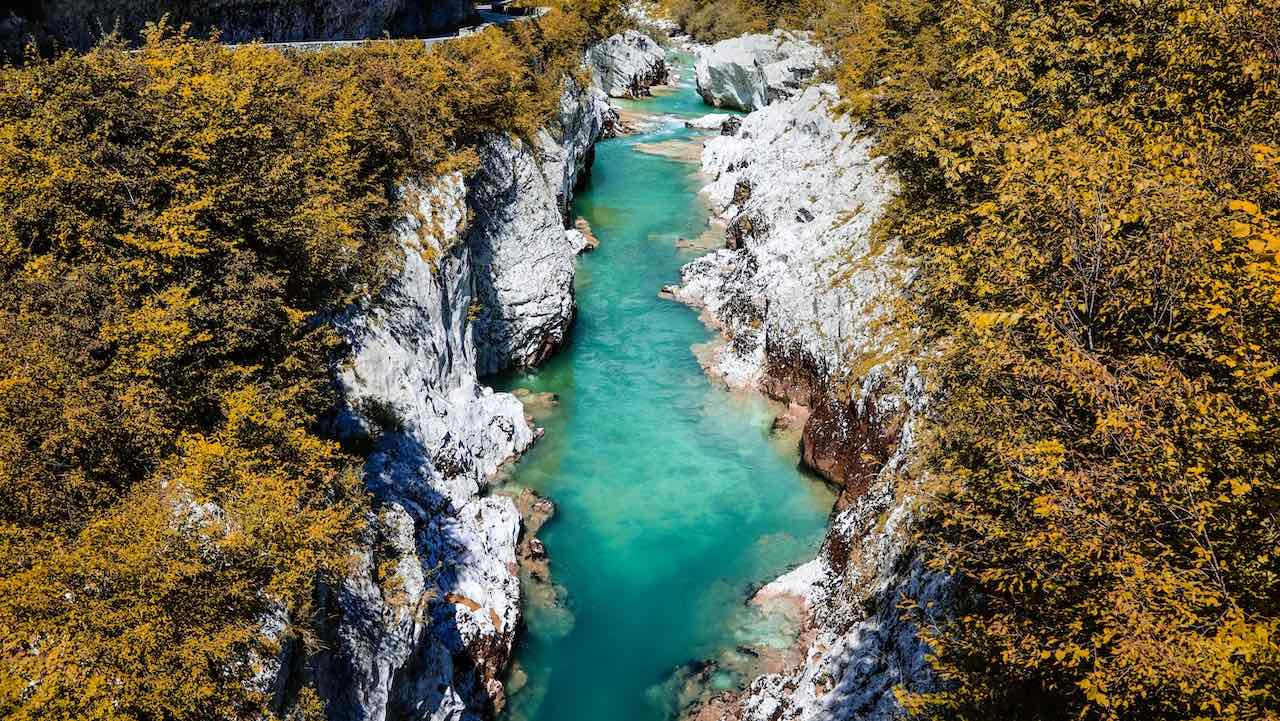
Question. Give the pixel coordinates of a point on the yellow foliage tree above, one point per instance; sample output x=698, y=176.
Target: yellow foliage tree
x=176, y=223
x=1091, y=190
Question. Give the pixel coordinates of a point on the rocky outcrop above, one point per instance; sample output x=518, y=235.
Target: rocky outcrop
x=801, y=294
x=626, y=65
x=79, y=25
x=749, y=72
x=566, y=146
x=524, y=300
x=423, y=626
x=798, y=191
x=712, y=121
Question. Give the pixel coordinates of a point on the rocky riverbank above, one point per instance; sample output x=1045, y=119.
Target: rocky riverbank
x=802, y=294
x=627, y=65
x=423, y=626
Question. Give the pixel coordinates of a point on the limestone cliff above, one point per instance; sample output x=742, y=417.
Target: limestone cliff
x=524, y=300
x=626, y=65
x=424, y=625
x=802, y=293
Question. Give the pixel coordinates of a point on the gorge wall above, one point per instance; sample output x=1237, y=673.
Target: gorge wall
x=423, y=626
x=802, y=296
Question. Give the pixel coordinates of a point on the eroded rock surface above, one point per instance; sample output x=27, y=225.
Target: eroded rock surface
x=800, y=293
x=713, y=121
x=749, y=72
x=423, y=626
x=626, y=65
x=524, y=304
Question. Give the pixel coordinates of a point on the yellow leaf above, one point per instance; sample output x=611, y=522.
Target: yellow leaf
x=1244, y=206
x=1043, y=506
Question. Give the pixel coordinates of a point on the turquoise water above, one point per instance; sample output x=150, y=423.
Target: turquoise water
x=673, y=500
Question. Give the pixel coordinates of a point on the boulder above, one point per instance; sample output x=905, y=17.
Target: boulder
x=626, y=65
x=713, y=121
x=749, y=72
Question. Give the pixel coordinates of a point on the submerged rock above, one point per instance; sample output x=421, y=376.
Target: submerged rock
x=749, y=72
x=626, y=65
x=589, y=240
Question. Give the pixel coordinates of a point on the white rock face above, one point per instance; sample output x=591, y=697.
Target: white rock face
x=524, y=302
x=425, y=623
x=434, y=581
x=711, y=121
x=567, y=145
x=798, y=190
x=801, y=291
x=627, y=64
x=749, y=72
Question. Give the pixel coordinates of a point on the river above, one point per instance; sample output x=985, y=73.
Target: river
x=674, y=500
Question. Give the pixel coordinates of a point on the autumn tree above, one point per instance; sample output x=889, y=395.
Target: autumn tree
x=177, y=224
x=1091, y=191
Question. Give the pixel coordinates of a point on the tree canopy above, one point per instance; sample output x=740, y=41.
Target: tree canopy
x=176, y=223
x=1092, y=191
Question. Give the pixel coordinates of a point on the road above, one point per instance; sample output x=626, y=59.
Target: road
x=485, y=12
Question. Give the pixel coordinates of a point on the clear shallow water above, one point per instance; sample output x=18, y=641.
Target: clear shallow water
x=673, y=501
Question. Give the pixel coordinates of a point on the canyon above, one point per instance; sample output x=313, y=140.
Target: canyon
x=429, y=621
x=422, y=360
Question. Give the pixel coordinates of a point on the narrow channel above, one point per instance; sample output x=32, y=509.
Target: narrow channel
x=673, y=499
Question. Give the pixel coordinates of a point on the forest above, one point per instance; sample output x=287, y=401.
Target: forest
x=1091, y=191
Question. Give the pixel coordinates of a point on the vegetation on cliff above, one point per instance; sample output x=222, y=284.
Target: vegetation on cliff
x=710, y=21
x=1093, y=193
x=175, y=224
